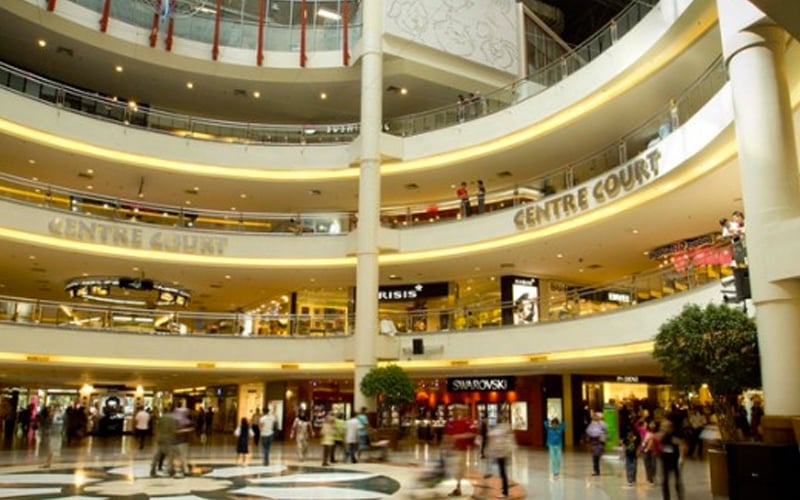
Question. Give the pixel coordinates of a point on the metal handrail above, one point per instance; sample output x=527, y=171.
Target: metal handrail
x=678, y=111
x=564, y=302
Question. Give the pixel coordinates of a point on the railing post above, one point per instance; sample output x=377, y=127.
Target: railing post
x=613, y=31
x=217, y=15
x=262, y=15
x=104, y=18
x=154, y=27
x=569, y=177
x=623, y=152
x=170, y=29
x=345, y=33
x=564, y=68
x=303, y=21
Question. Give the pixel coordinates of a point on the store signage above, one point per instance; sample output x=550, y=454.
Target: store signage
x=620, y=297
x=136, y=237
x=480, y=384
x=413, y=292
x=628, y=378
x=623, y=179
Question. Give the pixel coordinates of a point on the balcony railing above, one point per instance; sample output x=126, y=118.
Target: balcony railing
x=701, y=267
x=653, y=129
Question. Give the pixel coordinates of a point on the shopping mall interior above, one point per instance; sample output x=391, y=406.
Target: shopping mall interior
x=233, y=205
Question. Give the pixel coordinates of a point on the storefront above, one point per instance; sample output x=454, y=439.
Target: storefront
x=617, y=397
x=522, y=401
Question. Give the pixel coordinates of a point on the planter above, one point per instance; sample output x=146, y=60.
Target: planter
x=718, y=471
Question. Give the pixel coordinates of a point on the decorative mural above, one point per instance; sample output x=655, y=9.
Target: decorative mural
x=483, y=31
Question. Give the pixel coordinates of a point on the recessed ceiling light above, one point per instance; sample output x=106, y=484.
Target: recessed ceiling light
x=242, y=196
x=233, y=209
x=227, y=276
x=323, y=95
x=135, y=268
x=403, y=91
x=32, y=161
x=257, y=94
x=90, y=171
x=118, y=68
x=560, y=255
x=32, y=257
x=90, y=187
x=189, y=85
x=635, y=231
x=35, y=179
x=645, y=253
x=188, y=202
x=41, y=42
x=313, y=280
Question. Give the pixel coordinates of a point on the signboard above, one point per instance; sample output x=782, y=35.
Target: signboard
x=413, y=291
x=523, y=293
x=480, y=384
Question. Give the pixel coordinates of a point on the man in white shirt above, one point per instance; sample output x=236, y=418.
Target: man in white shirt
x=266, y=424
x=142, y=425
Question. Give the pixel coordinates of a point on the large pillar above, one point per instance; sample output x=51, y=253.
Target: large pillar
x=369, y=196
x=753, y=47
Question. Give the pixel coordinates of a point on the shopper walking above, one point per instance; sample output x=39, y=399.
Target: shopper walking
x=267, y=425
x=597, y=433
x=244, y=433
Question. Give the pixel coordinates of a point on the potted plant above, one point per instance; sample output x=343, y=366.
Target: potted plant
x=391, y=386
x=715, y=345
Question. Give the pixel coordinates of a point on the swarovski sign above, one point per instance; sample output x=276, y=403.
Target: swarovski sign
x=480, y=384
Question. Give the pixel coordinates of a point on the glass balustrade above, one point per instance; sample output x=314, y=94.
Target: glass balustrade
x=697, y=267
x=652, y=130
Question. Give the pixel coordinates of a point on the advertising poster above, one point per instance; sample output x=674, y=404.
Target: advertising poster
x=522, y=295
x=519, y=416
x=554, y=409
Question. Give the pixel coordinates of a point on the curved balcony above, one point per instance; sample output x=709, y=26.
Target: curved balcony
x=548, y=345
x=140, y=13
x=540, y=187
x=695, y=267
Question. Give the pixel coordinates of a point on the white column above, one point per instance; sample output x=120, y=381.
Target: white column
x=754, y=48
x=369, y=197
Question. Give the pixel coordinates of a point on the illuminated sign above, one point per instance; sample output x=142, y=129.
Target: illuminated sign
x=413, y=292
x=136, y=237
x=480, y=384
x=623, y=179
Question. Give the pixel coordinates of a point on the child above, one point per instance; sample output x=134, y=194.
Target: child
x=630, y=445
x=650, y=452
x=555, y=443
x=243, y=435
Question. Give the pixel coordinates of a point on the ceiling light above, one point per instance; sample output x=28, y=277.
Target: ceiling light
x=323, y=95
x=257, y=94
x=32, y=161
x=403, y=91
x=35, y=179
x=188, y=202
x=327, y=14
x=242, y=196
x=189, y=85
x=41, y=42
x=227, y=276
x=89, y=187
x=32, y=257
x=118, y=68
x=635, y=231
x=560, y=255
x=233, y=209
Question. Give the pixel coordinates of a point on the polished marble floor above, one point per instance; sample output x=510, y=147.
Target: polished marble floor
x=105, y=468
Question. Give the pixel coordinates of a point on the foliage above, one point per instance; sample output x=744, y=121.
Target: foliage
x=716, y=345
x=390, y=384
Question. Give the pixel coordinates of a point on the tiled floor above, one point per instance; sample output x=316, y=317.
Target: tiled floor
x=113, y=468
